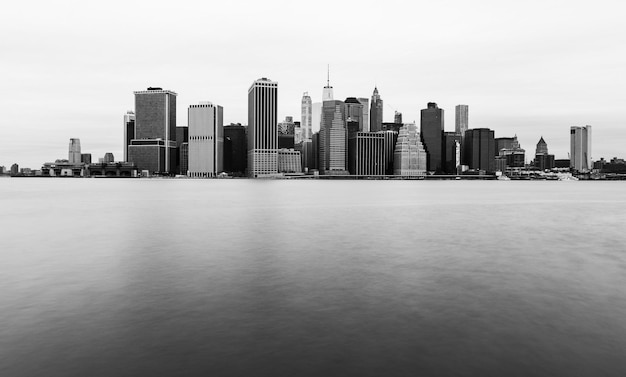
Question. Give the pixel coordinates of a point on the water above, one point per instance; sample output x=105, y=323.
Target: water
x=311, y=278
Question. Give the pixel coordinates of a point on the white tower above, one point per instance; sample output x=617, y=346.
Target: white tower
x=206, y=140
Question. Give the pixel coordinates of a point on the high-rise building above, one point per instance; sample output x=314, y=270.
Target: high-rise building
x=479, y=149
x=184, y=158
x=262, y=128
x=397, y=117
x=431, y=131
x=366, y=153
x=154, y=146
x=409, y=155
x=206, y=140
x=366, y=113
x=461, y=119
x=332, y=139
x=286, y=133
x=507, y=143
x=307, y=116
x=15, y=169
x=235, y=149
x=74, y=151
x=85, y=158
x=580, y=148
x=543, y=160
x=182, y=136
x=354, y=112
x=129, y=131
x=390, y=138
x=376, y=112
x=316, y=117
x=452, y=152
x=327, y=94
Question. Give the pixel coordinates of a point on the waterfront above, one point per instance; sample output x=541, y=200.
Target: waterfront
x=312, y=278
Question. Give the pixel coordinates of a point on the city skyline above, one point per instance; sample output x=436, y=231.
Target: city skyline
x=545, y=69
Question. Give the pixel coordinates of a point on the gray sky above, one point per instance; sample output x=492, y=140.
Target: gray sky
x=69, y=68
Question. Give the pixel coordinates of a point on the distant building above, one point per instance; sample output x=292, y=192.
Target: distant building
x=307, y=116
x=289, y=161
x=452, y=152
x=129, y=131
x=154, y=146
x=461, y=119
x=85, y=158
x=365, y=117
x=397, y=117
x=390, y=140
x=543, y=160
x=479, y=149
x=286, y=133
x=366, y=153
x=182, y=136
x=510, y=153
x=563, y=163
x=15, y=169
x=580, y=148
x=332, y=139
x=262, y=128
x=183, y=158
x=431, y=132
x=409, y=154
x=206, y=140
x=354, y=112
x=235, y=149
x=505, y=143
x=108, y=158
x=74, y=151
x=376, y=112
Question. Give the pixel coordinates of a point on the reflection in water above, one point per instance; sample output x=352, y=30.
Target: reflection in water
x=240, y=277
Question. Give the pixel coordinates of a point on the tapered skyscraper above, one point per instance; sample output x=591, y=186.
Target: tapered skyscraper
x=376, y=112
x=262, y=128
x=307, y=116
x=580, y=148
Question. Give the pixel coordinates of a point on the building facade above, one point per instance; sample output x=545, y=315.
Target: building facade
x=289, y=161
x=332, y=139
x=580, y=148
x=431, y=131
x=286, y=133
x=206, y=140
x=306, y=121
x=263, y=128
x=74, y=152
x=235, y=149
x=366, y=153
x=129, y=131
x=461, y=119
x=479, y=149
x=409, y=155
x=376, y=112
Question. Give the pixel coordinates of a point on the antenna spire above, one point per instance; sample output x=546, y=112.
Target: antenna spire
x=328, y=75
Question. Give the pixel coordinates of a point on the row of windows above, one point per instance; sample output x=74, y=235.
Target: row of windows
x=200, y=137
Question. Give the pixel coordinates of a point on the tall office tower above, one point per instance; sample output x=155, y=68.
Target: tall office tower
x=182, y=136
x=390, y=137
x=543, y=160
x=327, y=94
x=154, y=146
x=315, y=146
x=431, y=130
x=409, y=155
x=366, y=113
x=316, y=117
x=74, y=151
x=286, y=133
x=307, y=116
x=332, y=139
x=479, y=149
x=235, y=149
x=206, y=140
x=262, y=128
x=354, y=111
x=129, y=131
x=461, y=119
x=376, y=112
x=397, y=117
x=452, y=152
x=542, y=147
x=366, y=153
x=580, y=148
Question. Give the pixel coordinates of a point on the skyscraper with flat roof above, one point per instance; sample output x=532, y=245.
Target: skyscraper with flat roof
x=129, y=131
x=409, y=154
x=332, y=138
x=74, y=152
x=206, y=140
x=154, y=145
x=479, y=149
x=307, y=116
x=431, y=131
x=263, y=128
x=461, y=119
x=580, y=148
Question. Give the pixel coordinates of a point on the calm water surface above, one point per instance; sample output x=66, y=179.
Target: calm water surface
x=312, y=278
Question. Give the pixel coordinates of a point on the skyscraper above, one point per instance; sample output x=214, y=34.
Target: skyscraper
x=479, y=149
x=74, y=152
x=327, y=94
x=332, y=138
x=409, y=154
x=542, y=147
x=286, y=133
x=235, y=149
x=397, y=117
x=431, y=131
x=307, y=116
x=543, y=160
x=580, y=148
x=262, y=128
x=129, y=131
x=376, y=112
x=206, y=140
x=366, y=152
x=154, y=146
x=461, y=119
x=354, y=112
x=366, y=113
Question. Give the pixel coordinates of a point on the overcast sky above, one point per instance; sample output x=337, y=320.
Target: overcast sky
x=533, y=68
